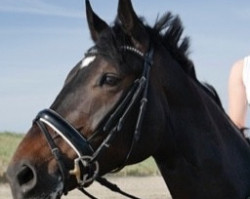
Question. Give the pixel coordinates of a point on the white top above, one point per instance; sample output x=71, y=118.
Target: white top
x=246, y=77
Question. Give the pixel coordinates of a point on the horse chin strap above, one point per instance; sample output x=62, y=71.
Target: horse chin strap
x=86, y=166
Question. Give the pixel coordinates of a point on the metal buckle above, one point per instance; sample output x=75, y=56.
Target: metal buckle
x=89, y=173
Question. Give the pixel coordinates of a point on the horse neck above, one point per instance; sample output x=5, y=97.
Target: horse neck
x=198, y=135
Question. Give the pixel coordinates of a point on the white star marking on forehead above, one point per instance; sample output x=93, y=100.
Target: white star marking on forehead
x=87, y=60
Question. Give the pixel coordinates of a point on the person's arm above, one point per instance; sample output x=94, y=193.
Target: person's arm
x=237, y=95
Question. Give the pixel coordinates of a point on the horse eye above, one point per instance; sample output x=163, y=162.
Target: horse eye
x=109, y=79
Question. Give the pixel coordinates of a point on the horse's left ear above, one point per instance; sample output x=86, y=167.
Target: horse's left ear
x=96, y=24
x=132, y=25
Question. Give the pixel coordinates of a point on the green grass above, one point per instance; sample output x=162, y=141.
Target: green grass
x=9, y=142
x=145, y=168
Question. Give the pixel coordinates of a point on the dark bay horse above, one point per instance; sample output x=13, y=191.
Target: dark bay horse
x=134, y=95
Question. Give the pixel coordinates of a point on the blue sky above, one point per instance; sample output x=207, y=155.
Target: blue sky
x=41, y=40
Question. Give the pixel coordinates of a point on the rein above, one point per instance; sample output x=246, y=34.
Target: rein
x=86, y=166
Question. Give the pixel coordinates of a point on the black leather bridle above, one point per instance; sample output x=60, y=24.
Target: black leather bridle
x=86, y=164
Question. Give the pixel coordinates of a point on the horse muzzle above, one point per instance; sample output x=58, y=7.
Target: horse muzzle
x=25, y=182
x=22, y=179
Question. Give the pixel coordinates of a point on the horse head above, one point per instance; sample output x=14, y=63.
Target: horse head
x=98, y=104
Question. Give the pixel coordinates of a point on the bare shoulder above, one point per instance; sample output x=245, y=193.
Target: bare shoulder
x=237, y=69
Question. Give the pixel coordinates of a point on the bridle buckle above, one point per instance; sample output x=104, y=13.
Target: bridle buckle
x=85, y=170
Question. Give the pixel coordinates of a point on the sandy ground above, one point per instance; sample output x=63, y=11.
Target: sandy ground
x=142, y=187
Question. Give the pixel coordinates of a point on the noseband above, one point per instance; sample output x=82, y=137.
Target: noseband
x=86, y=167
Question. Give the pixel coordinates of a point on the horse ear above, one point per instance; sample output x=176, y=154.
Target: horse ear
x=95, y=23
x=132, y=25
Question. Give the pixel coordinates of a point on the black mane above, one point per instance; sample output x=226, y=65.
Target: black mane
x=170, y=29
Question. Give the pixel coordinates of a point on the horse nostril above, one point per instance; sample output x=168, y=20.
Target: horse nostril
x=26, y=178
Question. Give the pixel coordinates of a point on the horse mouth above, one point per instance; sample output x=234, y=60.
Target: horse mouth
x=56, y=194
